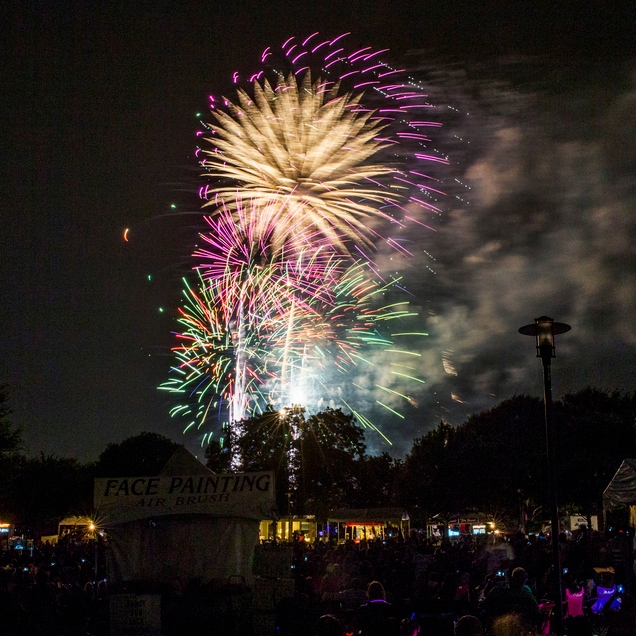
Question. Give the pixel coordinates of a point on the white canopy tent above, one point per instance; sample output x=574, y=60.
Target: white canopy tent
x=185, y=523
x=621, y=491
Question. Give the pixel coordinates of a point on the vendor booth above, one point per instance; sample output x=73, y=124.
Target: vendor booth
x=366, y=524
x=621, y=491
x=185, y=523
x=291, y=528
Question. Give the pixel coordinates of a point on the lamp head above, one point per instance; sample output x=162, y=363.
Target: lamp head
x=544, y=329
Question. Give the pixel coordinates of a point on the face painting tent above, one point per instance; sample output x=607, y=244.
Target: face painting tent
x=185, y=523
x=621, y=491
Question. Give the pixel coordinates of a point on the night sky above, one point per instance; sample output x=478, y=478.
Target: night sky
x=99, y=104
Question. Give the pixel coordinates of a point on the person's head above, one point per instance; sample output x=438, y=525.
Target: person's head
x=328, y=625
x=575, y=587
x=375, y=591
x=518, y=578
x=468, y=626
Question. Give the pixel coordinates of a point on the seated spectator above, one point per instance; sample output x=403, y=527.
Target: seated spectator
x=499, y=555
x=468, y=626
x=623, y=621
x=376, y=617
x=509, y=625
x=574, y=596
x=517, y=599
x=329, y=625
x=331, y=584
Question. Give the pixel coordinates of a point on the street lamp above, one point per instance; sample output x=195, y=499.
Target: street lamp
x=544, y=329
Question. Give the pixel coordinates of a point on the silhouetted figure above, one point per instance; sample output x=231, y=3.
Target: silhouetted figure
x=516, y=599
x=329, y=625
x=376, y=616
x=623, y=621
x=469, y=626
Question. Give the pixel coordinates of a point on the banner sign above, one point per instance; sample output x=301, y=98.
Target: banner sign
x=121, y=499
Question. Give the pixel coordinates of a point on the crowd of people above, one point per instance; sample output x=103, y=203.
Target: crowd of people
x=52, y=591
x=404, y=585
x=496, y=585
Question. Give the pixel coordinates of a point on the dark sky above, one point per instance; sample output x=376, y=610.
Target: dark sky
x=99, y=103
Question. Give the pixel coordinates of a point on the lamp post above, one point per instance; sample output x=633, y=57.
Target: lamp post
x=544, y=329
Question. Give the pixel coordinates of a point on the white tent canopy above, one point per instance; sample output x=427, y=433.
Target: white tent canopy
x=187, y=522
x=621, y=491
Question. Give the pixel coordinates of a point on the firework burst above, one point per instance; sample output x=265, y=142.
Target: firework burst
x=312, y=335
x=305, y=148
x=330, y=152
x=304, y=172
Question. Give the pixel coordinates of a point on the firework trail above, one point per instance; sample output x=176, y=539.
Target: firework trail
x=304, y=339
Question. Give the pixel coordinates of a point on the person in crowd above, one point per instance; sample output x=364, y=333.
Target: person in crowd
x=329, y=625
x=516, y=598
x=574, y=596
x=623, y=621
x=499, y=555
x=509, y=625
x=376, y=617
x=331, y=583
x=468, y=625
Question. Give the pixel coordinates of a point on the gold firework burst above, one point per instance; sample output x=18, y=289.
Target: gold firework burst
x=308, y=148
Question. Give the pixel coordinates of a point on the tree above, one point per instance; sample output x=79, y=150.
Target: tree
x=377, y=481
x=495, y=462
x=332, y=451
x=138, y=456
x=500, y=458
x=426, y=470
x=10, y=459
x=596, y=430
x=492, y=463
x=50, y=488
x=217, y=457
x=314, y=458
x=10, y=436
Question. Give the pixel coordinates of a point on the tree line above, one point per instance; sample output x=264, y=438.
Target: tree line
x=494, y=463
